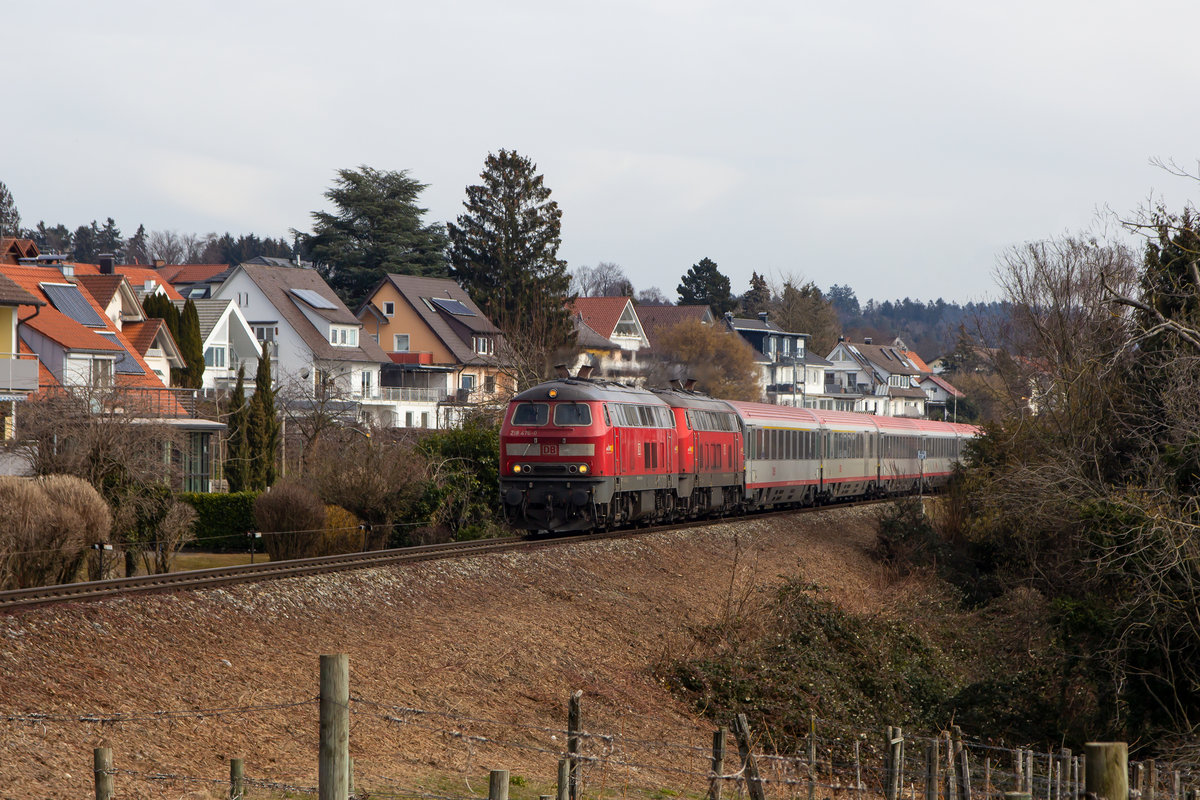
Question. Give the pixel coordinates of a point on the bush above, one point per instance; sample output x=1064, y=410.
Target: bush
x=342, y=533
x=47, y=529
x=292, y=521
x=222, y=520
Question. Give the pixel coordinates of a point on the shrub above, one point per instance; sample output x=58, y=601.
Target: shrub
x=342, y=533
x=47, y=529
x=292, y=521
x=222, y=520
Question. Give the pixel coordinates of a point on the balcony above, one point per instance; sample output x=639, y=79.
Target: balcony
x=18, y=373
x=408, y=394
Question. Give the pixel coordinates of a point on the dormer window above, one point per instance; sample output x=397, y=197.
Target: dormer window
x=483, y=345
x=343, y=336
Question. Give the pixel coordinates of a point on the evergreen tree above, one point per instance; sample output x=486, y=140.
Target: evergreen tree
x=704, y=285
x=759, y=296
x=85, y=243
x=10, y=218
x=237, y=460
x=51, y=240
x=504, y=252
x=135, y=248
x=110, y=240
x=262, y=428
x=375, y=229
x=159, y=306
x=191, y=347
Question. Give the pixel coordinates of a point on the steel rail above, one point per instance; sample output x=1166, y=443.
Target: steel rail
x=270, y=570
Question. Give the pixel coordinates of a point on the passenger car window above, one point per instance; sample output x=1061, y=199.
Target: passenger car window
x=531, y=414
x=572, y=414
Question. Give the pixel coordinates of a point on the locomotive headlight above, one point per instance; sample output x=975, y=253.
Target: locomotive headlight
x=583, y=469
x=516, y=469
x=553, y=393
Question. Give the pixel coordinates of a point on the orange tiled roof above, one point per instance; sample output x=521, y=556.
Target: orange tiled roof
x=601, y=314
x=189, y=273
x=139, y=275
x=12, y=249
x=58, y=327
x=142, y=334
x=916, y=359
x=101, y=287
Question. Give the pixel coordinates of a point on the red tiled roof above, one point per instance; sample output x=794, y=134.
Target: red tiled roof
x=13, y=249
x=916, y=359
x=58, y=327
x=601, y=314
x=101, y=287
x=142, y=334
x=945, y=384
x=137, y=277
x=656, y=320
x=188, y=273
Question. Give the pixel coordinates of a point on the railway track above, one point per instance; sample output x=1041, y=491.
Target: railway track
x=251, y=573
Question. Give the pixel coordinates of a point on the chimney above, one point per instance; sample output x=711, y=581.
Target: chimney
x=106, y=263
x=584, y=372
x=762, y=315
x=867, y=340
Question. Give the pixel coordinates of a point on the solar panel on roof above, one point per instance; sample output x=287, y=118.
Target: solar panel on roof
x=313, y=298
x=452, y=306
x=69, y=300
x=126, y=363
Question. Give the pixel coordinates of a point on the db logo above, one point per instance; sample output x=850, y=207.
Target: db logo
x=549, y=449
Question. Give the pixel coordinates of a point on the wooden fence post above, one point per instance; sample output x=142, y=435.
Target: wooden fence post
x=718, y=763
x=741, y=730
x=1107, y=775
x=951, y=768
x=1151, y=780
x=102, y=766
x=932, y=760
x=498, y=785
x=1029, y=772
x=564, y=778
x=812, y=757
x=1019, y=769
x=574, y=728
x=964, y=766
x=858, y=784
x=895, y=751
x=236, y=776
x=333, y=779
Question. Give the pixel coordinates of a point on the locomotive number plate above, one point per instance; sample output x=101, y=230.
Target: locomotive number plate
x=549, y=449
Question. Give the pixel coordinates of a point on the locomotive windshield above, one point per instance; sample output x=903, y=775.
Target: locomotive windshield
x=531, y=414
x=572, y=414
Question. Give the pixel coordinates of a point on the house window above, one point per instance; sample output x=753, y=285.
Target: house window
x=354, y=337
x=366, y=383
x=102, y=372
x=389, y=309
x=333, y=335
x=265, y=333
x=214, y=357
x=424, y=419
x=400, y=342
x=467, y=382
x=483, y=345
x=489, y=384
x=408, y=419
x=345, y=336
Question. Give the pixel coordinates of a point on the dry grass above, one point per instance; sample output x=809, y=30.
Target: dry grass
x=503, y=637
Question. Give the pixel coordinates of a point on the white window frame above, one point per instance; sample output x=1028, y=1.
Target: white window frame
x=389, y=309
x=396, y=342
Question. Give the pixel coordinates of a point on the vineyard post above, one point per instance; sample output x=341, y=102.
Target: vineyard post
x=1175, y=786
x=964, y=766
x=932, y=759
x=102, y=766
x=333, y=779
x=1019, y=769
x=718, y=762
x=564, y=778
x=987, y=778
x=1151, y=780
x=1107, y=773
x=741, y=731
x=1139, y=780
x=237, y=774
x=1029, y=772
x=888, y=735
x=858, y=784
x=951, y=769
x=574, y=728
x=812, y=757
x=498, y=784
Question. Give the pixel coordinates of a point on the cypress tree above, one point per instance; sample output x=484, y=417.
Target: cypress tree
x=191, y=347
x=237, y=459
x=262, y=430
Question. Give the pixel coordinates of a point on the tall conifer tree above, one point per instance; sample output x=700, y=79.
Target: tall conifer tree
x=237, y=459
x=262, y=430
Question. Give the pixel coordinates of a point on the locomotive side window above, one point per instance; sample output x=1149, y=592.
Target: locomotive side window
x=531, y=414
x=571, y=414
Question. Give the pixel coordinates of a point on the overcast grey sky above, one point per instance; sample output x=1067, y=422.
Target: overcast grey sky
x=896, y=147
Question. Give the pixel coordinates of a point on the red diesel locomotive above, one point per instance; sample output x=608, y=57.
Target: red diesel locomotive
x=578, y=454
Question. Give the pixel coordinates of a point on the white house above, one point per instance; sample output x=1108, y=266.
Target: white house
x=228, y=342
x=883, y=379
x=317, y=346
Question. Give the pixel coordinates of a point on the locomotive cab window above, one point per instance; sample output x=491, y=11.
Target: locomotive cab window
x=572, y=414
x=531, y=414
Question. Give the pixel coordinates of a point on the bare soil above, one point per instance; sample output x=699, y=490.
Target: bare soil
x=456, y=667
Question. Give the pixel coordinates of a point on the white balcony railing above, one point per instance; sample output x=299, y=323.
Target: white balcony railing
x=407, y=394
x=18, y=373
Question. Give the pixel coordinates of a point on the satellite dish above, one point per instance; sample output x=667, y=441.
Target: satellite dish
x=304, y=373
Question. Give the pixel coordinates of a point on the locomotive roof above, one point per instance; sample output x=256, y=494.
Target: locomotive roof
x=588, y=390
x=678, y=399
x=767, y=414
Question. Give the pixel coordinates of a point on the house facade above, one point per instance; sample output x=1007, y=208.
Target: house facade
x=317, y=347
x=228, y=342
x=610, y=336
x=883, y=380
x=444, y=354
